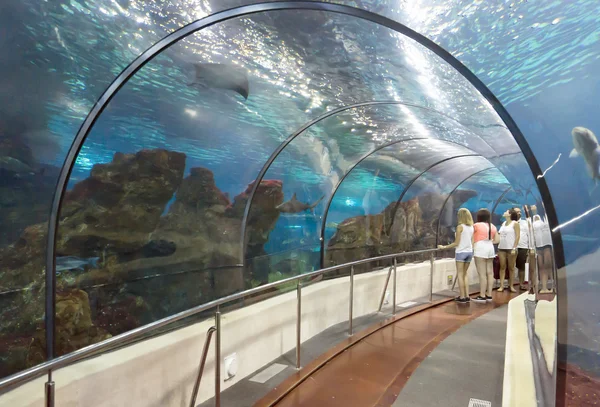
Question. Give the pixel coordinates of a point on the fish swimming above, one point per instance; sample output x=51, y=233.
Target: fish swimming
x=75, y=263
x=14, y=165
x=586, y=146
x=295, y=206
x=221, y=76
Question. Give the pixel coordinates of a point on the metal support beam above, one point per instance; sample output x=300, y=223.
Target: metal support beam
x=351, y=301
x=218, y=358
x=50, y=387
x=500, y=199
x=298, y=322
x=385, y=286
x=439, y=223
x=343, y=178
x=394, y=289
x=405, y=190
x=431, y=270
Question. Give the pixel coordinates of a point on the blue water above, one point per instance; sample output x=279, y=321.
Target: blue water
x=541, y=60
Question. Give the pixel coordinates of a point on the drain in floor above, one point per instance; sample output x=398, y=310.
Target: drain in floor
x=479, y=403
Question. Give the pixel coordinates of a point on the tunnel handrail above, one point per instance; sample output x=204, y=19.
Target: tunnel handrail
x=126, y=337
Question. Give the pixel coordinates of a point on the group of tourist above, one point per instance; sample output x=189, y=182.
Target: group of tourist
x=517, y=241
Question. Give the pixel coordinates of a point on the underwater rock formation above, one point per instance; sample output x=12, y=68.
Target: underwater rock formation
x=26, y=188
x=410, y=225
x=263, y=213
x=120, y=203
x=262, y=217
x=129, y=263
x=74, y=327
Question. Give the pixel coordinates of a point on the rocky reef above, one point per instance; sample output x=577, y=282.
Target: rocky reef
x=136, y=242
x=405, y=226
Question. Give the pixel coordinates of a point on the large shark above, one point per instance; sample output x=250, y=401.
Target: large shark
x=221, y=76
x=295, y=206
x=586, y=146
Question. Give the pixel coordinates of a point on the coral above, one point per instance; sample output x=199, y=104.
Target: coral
x=120, y=203
x=149, y=264
x=74, y=327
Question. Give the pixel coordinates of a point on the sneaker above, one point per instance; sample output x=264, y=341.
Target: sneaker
x=479, y=298
x=457, y=299
x=468, y=299
x=464, y=300
x=488, y=298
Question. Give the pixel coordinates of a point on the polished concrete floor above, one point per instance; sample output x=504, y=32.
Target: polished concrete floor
x=469, y=364
x=374, y=371
x=246, y=392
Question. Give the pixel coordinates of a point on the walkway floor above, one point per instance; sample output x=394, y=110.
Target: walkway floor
x=375, y=370
x=468, y=364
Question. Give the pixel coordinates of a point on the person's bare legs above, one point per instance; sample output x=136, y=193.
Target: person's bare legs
x=502, y=255
x=511, y=260
x=461, y=274
x=532, y=273
x=481, y=266
x=547, y=262
x=489, y=270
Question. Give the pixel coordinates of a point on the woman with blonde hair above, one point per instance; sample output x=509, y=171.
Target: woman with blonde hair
x=463, y=241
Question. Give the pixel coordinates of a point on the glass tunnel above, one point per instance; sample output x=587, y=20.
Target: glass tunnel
x=269, y=141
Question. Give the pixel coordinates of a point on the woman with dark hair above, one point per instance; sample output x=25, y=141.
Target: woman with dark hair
x=484, y=237
x=510, y=233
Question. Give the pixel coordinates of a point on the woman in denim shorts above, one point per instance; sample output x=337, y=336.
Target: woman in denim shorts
x=463, y=241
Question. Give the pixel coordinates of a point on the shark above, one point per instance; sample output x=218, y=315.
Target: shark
x=295, y=206
x=586, y=146
x=221, y=76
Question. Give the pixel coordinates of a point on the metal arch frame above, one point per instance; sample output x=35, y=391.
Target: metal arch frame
x=339, y=183
x=412, y=181
x=437, y=234
x=401, y=196
x=500, y=199
x=195, y=26
x=308, y=125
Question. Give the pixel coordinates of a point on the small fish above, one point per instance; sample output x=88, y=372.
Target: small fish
x=221, y=76
x=75, y=263
x=586, y=146
x=295, y=206
x=14, y=165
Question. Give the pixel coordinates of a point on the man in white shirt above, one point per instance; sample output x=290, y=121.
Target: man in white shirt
x=524, y=248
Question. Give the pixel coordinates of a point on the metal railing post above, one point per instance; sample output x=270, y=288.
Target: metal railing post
x=394, y=290
x=50, y=392
x=209, y=334
x=387, y=281
x=432, y=261
x=218, y=358
x=351, y=302
x=298, y=322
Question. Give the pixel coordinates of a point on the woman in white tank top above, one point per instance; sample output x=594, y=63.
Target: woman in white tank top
x=463, y=241
x=510, y=233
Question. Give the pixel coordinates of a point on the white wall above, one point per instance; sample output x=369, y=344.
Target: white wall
x=160, y=371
